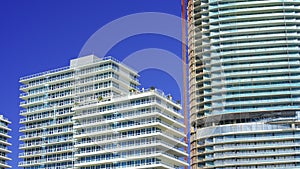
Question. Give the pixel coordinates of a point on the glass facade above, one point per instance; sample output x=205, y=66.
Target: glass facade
x=244, y=71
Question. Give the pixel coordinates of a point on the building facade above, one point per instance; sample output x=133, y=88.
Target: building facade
x=57, y=105
x=244, y=83
x=4, y=136
x=141, y=130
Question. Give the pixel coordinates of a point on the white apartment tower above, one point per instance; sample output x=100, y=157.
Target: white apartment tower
x=139, y=130
x=4, y=129
x=88, y=116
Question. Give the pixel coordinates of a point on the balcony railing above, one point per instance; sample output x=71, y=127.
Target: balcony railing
x=126, y=126
x=40, y=125
x=122, y=147
x=53, y=150
x=47, y=160
x=44, y=143
x=134, y=155
x=43, y=134
x=82, y=123
x=123, y=137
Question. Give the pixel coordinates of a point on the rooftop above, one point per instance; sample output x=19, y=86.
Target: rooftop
x=78, y=62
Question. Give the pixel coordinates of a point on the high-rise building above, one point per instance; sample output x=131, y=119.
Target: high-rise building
x=4, y=136
x=244, y=61
x=142, y=129
x=76, y=116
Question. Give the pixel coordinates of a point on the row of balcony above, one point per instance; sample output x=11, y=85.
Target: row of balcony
x=122, y=108
x=58, y=70
x=218, y=60
x=45, y=99
x=242, y=128
x=46, y=160
x=140, y=164
x=45, y=116
x=33, y=144
x=238, y=109
x=126, y=147
x=127, y=116
x=201, y=40
x=120, y=137
x=65, y=77
x=216, y=5
x=241, y=52
x=47, y=124
x=262, y=101
x=46, y=134
x=257, y=145
x=222, y=88
x=44, y=73
x=247, y=45
x=57, y=150
x=255, y=161
x=121, y=157
x=277, y=152
x=62, y=104
x=42, y=91
x=46, y=82
x=123, y=127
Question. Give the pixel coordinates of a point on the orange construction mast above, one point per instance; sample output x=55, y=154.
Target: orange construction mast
x=184, y=59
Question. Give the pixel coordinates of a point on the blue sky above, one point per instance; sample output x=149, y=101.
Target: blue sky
x=37, y=36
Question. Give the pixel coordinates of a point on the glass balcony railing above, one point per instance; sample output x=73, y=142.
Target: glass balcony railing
x=43, y=125
x=44, y=134
x=46, y=160
x=121, y=127
x=45, y=73
x=136, y=114
x=45, y=116
x=119, y=137
x=122, y=147
x=39, y=83
x=101, y=159
x=52, y=150
x=237, y=128
x=46, y=107
x=256, y=161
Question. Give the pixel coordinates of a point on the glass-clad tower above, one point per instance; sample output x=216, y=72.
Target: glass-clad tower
x=244, y=62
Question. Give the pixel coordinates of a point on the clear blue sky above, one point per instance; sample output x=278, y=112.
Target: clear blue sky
x=39, y=35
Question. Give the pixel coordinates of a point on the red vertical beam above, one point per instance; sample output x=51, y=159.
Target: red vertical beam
x=184, y=67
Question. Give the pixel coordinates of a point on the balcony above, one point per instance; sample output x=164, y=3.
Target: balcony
x=46, y=152
x=46, y=125
x=128, y=116
x=136, y=125
x=149, y=154
x=45, y=161
x=47, y=82
x=44, y=73
x=165, y=135
x=46, y=108
x=45, y=134
x=126, y=147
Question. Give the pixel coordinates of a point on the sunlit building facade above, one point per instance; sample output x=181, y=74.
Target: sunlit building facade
x=244, y=83
x=4, y=143
x=143, y=129
x=69, y=113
